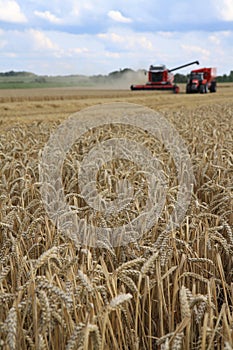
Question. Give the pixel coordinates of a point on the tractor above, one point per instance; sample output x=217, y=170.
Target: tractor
x=202, y=80
x=161, y=78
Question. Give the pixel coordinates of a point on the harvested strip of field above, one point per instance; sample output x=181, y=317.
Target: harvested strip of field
x=172, y=293
x=52, y=104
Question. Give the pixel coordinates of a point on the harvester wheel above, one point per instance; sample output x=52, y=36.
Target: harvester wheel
x=213, y=86
x=176, y=89
x=202, y=89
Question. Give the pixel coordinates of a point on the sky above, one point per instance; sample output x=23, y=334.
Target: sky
x=91, y=37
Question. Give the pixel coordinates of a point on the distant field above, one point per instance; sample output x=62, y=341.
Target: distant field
x=174, y=293
x=26, y=80
x=26, y=105
x=33, y=81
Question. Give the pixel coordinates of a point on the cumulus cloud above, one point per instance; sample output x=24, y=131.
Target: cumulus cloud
x=226, y=10
x=65, y=53
x=166, y=34
x=127, y=40
x=112, y=54
x=79, y=50
x=2, y=43
x=193, y=48
x=41, y=41
x=11, y=54
x=48, y=16
x=112, y=37
x=118, y=17
x=135, y=35
x=10, y=12
x=196, y=50
x=214, y=38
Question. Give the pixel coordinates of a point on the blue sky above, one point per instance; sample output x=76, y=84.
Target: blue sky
x=54, y=37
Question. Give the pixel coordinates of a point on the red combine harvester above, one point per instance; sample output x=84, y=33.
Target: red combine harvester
x=201, y=80
x=161, y=78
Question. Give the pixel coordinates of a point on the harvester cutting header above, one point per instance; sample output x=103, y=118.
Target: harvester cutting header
x=161, y=78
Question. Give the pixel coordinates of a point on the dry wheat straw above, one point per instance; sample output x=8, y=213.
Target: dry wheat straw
x=11, y=328
x=57, y=295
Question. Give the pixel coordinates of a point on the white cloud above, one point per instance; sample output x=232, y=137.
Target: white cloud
x=11, y=55
x=145, y=43
x=215, y=39
x=79, y=7
x=114, y=43
x=65, y=53
x=113, y=55
x=10, y=12
x=226, y=33
x=41, y=41
x=112, y=37
x=118, y=17
x=195, y=49
x=79, y=50
x=3, y=43
x=127, y=40
x=225, y=8
x=166, y=34
x=48, y=16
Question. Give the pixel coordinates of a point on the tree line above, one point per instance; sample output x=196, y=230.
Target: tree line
x=16, y=74
x=179, y=78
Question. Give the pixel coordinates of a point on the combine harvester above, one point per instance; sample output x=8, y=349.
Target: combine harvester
x=161, y=78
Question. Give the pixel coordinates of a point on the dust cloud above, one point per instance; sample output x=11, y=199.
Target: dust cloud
x=120, y=79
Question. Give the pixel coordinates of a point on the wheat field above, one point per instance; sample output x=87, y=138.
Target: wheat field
x=172, y=291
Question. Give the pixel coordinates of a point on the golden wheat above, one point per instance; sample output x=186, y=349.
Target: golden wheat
x=166, y=290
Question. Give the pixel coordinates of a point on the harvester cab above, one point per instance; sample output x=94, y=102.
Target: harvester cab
x=161, y=78
x=159, y=75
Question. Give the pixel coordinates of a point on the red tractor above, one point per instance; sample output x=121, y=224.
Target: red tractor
x=161, y=78
x=201, y=80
